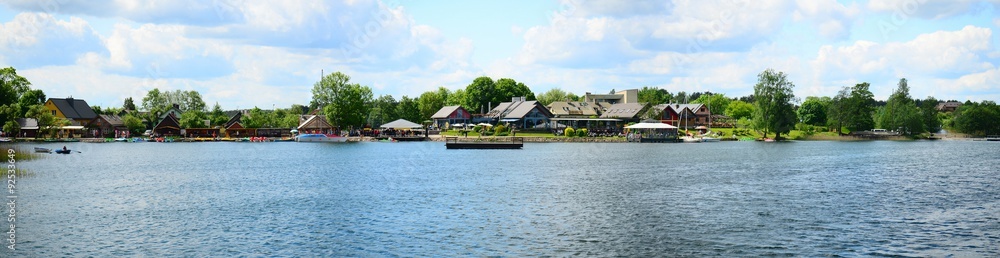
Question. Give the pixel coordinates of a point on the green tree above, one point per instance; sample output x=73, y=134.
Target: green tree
x=456, y=98
x=739, y=110
x=30, y=98
x=218, y=116
x=773, y=95
x=384, y=110
x=430, y=102
x=717, y=102
x=508, y=88
x=193, y=119
x=838, y=112
x=13, y=89
x=681, y=97
x=134, y=124
x=813, y=110
x=344, y=103
x=655, y=95
x=554, y=95
x=43, y=117
x=900, y=112
x=257, y=118
x=979, y=119
x=129, y=104
x=929, y=114
x=860, y=108
x=192, y=101
x=12, y=128
x=408, y=109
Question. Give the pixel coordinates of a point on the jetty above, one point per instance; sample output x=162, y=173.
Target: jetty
x=454, y=143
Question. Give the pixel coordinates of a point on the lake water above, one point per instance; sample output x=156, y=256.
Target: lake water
x=558, y=199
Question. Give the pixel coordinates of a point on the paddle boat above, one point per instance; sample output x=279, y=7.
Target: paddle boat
x=315, y=137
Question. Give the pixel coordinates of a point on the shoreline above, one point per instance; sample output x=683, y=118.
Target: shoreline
x=532, y=139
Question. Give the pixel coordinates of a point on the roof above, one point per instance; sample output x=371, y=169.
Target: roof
x=313, y=122
x=112, y=120
x=678, y=108
x=401, y=123
x=27, y=123
x=169, y=121
x=74, y=108
x=624, y=110
x=651, y=126
x=445, y=112
x=516, y=110
x=563, y=108
x=236, y=118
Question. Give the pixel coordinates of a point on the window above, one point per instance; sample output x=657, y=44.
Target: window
x=53, y=112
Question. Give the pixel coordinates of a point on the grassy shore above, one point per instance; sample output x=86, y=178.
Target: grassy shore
x=20, y=155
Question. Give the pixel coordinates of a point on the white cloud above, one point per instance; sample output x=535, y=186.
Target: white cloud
x=38, y=39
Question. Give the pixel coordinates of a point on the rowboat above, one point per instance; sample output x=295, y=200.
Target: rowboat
x=320, y=138
x=40, y=149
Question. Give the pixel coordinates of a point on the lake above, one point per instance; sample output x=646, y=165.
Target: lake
x=875, y=198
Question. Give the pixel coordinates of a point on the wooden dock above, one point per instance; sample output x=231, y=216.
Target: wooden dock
x=514, y=143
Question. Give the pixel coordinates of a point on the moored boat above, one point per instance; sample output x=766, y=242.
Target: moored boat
x=40, y=149
x=320, y=138
x=66, y=151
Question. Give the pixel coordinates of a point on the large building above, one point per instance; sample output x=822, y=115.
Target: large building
x=451, y=115
x=619, y=97
x=77, y=111
x=521, y=113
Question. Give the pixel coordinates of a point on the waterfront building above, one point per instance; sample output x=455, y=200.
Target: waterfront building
x=168, y=126
x=619, y=97
x=314, y=124
x=949, y=106
x=521, y=113
x=106, y=126
x=451, y=115
x=29, y=127
x=684, y=115
x=627, y=112
x=77, y=111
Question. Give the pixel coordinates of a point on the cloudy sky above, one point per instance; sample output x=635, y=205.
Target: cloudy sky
x=244, y=53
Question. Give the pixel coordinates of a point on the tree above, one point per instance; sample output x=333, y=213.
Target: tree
x=508, y=88
x=11, y=127
x=43, y=117
x=129, y=104
x=13, y=89
x=218, y=116
x=384, y=110
x=256, y=118
x=980, y=119
x=929, y=114
x=554, y=95
x=655, y=95
x=900, y=112
x=344, y=103
x=430, y=102
x=860, y=107
x=153, y=100
x=480, y=94
x=838, y=111
x=774, y=111
x=29, y=99
x=192, y=119
x=718, y=102
x=813, y=110
x=193, y=101
x=408, y=109
x=133, y=123
x=739, y=110
x=681, y=97
x=456, y=98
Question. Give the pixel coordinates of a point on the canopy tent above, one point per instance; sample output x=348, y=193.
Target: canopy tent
x=401, y=124
x=651, y=126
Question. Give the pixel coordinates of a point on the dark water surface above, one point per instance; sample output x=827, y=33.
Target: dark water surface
x=559, y=199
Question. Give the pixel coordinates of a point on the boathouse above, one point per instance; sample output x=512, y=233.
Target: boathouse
x=684, y=115
x=314, y=124
x=234, y=127
x=168, y=126
x=106, y=126
x=450, y=115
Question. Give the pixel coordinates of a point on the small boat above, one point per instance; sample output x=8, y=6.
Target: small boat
x=710, y=139
x=40, y=149
x=320, y=138
x=66, y=151
x=121, y=139
x=5, y=139
x=690, y=139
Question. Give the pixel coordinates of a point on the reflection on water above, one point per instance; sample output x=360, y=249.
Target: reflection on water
x=387, y=199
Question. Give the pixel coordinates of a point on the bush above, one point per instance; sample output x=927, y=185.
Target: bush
x=569, y=132
x=502, y=134
x=477, y=128
x=499, y=129
x=487, y=133
x=582, y=132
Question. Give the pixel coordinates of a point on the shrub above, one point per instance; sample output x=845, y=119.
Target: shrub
x=487, y=133
x=502, y=134
x=499, y=129
x=569, y=132
x=582, y=132
x=477, y=128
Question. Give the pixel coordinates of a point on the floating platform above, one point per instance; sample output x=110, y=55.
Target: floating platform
x=514, y=143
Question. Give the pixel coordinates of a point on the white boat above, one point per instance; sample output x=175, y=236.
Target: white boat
x=5, y=139
x=320, y=138
x=710, y=139
x=690, y=139
x=40, y=149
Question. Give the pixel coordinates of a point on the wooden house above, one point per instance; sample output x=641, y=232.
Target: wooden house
x=314, y=124
x=107, y=126
x=451, y=115
x=168, y=126
x=684, y=115
x=29, y=127
x=520, y=113
x=234, y=127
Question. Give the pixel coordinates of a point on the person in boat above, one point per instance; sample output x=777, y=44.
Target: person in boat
x=64, y=147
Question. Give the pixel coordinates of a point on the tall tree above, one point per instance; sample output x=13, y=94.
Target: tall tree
x=13, y=87
x=900, y=112
x=860, y=108
x=480, y=94
x=681, y=97
x=774, y=96
x=408, y=109
x=838, y=112
x=129, y=104
x=192, y=119
x=43, y=117
x=457, y=98
x=980, y=119
x=30, y=98
x=134, y=124
x=384, y=110
x=344, y=103
x=929, y=114
x=813, y=110
x=430, y=102
x=218, y=116
x=507, y=88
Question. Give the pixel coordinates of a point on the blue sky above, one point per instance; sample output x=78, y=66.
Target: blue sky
x=243, y=53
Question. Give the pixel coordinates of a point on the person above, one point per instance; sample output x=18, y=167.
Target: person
x=64, y=147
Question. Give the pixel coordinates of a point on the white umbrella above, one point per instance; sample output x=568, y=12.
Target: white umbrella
x=484, y=124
